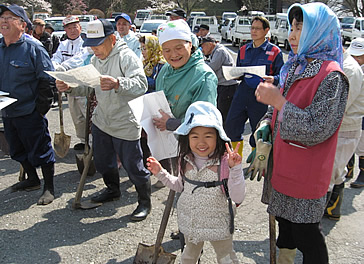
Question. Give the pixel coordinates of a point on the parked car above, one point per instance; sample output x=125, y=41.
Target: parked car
x=196, y=14
x=112, y=21
x=227, y=15
x=115, y=14
x=149, y=25
x=41, y=15
x=140, y=16
x=158, y=17
x=347, y=22
x=211, y=21
x=357, y=31
x=57, y=25
x=84, y=19
x=240, y=30
x=279, y=34
x=226, y=26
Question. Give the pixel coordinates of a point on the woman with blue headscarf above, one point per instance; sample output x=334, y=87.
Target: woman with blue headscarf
x=304, y=120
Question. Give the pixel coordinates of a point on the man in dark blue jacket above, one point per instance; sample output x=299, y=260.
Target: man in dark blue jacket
x=22, y=64
x=244, y=105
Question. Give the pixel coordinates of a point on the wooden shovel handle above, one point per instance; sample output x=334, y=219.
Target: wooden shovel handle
x=60, y=112
x=162, y=228
x=272, y=239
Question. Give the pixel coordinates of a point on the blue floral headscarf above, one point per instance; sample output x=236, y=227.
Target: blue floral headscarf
x=320, y=38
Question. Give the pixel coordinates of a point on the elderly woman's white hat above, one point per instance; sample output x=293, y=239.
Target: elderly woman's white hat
x=176, y=29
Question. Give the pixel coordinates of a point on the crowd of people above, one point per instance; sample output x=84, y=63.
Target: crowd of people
x=309, y=109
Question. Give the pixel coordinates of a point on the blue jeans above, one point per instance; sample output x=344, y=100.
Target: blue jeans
x=106, y=148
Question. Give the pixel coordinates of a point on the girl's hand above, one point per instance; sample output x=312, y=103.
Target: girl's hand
x=153, y=165
x=161, y=123
x=233, y=157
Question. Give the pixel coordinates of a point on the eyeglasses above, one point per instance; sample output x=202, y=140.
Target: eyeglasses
x=11, y=18
x=255, y=28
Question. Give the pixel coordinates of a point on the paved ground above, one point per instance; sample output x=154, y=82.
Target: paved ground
x=58, y=234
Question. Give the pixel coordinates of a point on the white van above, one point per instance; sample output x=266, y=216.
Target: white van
x=227, y=15
x=84, y=19
x=211, y=21
x=279, y=34
x=140, y=16
x=195, y=14
x=240, y=30
x=57, y=24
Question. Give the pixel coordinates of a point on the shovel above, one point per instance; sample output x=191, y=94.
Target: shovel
x=80, y=158
x=61, y=140
x=155, y=254
x=87, y=160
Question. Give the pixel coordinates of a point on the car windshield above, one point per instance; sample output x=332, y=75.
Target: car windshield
x=148, y=27
x=347, y=20
x=229, y=16
x=56, y=24
x=84, y=19
x=142, y=14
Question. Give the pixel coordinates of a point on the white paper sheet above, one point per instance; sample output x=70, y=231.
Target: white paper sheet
x=231, y=72
x=162, y=144
x=5, y=101
x=86, y=75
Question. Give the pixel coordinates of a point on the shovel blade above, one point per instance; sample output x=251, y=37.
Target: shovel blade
x=145, y=255
x=80, y=161
x=85, y=205
x=61, y=144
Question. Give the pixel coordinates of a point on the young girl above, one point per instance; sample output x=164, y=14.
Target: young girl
x=204, y=154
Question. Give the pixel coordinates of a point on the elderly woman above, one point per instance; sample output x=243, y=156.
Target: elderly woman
x=307, y=113
x=153, y=59
x=185, y=78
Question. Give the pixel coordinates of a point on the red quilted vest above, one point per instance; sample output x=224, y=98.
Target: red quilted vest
x=301, y=171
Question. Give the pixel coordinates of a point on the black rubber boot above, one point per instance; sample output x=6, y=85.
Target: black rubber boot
x=350, y=167
x=333, y=208
x=144, y=202
x=112, y=191
x=359, y=182
x=48, y=190
x=30, y=184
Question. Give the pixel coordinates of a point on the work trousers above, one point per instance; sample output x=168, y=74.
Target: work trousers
x=225, y=95
x=347, y=143
x=29, y=139
x=106, y=148
x=77, y=107
x=225, y=253
x=307, y=238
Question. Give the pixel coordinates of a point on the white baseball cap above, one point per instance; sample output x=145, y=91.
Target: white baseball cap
x=356, y=47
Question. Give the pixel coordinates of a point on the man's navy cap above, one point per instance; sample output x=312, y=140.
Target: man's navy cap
x=207, y=39
x=97, y=31
x=177, y=12
x=205, y=26
x=16, y=10
x=196, y=29
x=125, y=16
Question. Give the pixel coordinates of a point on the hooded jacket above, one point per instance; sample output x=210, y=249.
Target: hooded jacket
x=194, y=81
x=112, y=114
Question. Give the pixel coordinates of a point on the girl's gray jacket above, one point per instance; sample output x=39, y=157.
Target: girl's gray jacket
x=112, y=114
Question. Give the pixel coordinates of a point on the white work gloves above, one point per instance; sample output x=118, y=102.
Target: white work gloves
x=259, y=156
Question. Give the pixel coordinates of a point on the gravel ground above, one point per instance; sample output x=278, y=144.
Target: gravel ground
x=58, y=234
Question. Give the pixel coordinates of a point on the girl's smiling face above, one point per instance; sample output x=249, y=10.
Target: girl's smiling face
x=202, y=140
